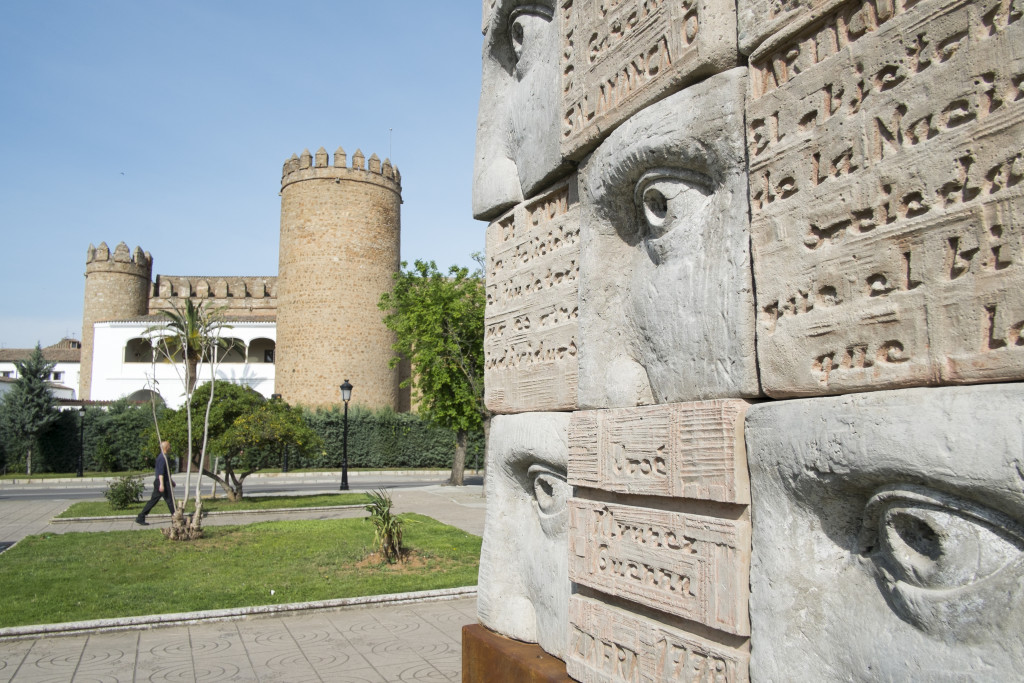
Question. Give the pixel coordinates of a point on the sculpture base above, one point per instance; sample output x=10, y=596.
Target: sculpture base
x=490, y=658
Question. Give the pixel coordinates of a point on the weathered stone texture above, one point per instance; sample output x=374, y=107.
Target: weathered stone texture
x=887, y=206
x=340, y=232
x=619, y=57
x=117, y=287
x=682, y=450
x=609, y=645
x=666, y=299
x=691, y=566
x=530, y=342
x=888, y=542
x=517, y=150
x=524, y=581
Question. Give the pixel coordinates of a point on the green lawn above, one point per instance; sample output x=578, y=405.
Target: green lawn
x=102, y=508
x=69, y=577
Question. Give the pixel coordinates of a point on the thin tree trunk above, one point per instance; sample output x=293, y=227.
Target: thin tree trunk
x=459, y=463
x=28, y=459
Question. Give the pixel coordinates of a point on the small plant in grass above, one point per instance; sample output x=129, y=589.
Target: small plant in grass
x=124, y=492
x=387, y=526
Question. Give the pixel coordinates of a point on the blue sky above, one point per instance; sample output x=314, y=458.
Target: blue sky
x=165, y=124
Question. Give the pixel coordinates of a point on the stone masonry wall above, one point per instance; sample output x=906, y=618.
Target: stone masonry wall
x=340, y=238
x=117, y=286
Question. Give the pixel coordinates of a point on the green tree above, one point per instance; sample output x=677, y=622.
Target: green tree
x=438, y=321
x=258, y=439
x=28, y=409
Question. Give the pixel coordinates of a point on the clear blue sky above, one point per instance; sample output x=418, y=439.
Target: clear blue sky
x=165, y=124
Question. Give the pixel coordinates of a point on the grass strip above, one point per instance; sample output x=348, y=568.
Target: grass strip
x=102, y=508
x=53, y=578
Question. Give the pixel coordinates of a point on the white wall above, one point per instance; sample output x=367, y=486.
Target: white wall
x=113, y=378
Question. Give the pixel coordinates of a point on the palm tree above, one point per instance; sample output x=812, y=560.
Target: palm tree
x=190, y=335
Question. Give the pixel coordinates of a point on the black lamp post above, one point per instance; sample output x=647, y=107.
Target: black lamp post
x=81, y=440
x=346, y=394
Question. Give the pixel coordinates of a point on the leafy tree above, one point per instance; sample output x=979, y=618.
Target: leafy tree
x=439, y=324
x=258, y=439
x=28, y=409
x=117, y=439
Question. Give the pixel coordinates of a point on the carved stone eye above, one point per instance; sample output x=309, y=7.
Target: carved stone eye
x=526, y=24
x=669, y=197
x=936, y=541
x=550, y=490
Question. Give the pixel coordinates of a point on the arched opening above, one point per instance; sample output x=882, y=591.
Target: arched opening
x=233, y=351
x=261, y=350
x=145, y=396
x=138, y=350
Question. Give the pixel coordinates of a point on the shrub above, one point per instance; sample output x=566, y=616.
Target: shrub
x=124, y=492
x=387, y=527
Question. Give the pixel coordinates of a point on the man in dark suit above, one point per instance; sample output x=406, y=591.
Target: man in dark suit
x=161, y=485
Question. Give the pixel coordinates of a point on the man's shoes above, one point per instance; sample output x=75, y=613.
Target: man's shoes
x=141, y=522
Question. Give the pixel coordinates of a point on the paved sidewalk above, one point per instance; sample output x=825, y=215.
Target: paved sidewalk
x=406, y=642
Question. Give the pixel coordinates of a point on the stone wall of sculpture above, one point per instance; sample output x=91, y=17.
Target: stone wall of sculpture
x=743, y=262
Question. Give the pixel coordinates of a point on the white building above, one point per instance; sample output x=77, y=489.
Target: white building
x=65, y=354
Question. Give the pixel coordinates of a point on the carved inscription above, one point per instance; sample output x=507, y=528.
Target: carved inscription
x=685, y=450
x=530, y=336
x=692, y=566
x=886, y=197
x=608, y=644
x=618, y=57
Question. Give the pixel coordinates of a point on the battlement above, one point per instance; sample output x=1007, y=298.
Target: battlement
x=255, y=295
x=120, y=260
x=317, y=166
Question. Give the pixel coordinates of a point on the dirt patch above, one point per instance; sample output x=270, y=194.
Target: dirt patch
x=411, y=561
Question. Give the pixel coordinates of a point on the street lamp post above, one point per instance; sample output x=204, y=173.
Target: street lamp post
x=81, y=440
x=346, y=394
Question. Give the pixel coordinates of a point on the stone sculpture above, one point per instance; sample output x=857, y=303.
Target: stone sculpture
x=665, y=212
x=524, y=579
x=887, y=535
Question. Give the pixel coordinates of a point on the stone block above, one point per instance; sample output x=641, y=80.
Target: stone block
x=608, y=644
x=666, y=300
x=886, y=197
x=530, y=341
x=687, y=565
x=517, y=142
x=888, y=535
x=617, y=58
x=523, y=588
x=682, y=450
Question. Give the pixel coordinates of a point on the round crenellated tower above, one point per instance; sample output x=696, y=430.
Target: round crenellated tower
x=117, y=286
x=340, y=239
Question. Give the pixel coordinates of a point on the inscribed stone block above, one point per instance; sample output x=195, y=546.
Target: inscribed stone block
x=618, y=58
x=691, y=566
x=888, y=537
x=886, y=161
x=666, y=299
x=530, y=340
x=608, y=644
x=683, y=450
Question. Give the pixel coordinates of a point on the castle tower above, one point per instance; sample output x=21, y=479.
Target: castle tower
x=117, y=286
x=340, y=232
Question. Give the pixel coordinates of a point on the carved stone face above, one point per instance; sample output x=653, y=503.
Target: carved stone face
x=666, y=297
x=524, y=585
x=888, y=535
x=517, y=129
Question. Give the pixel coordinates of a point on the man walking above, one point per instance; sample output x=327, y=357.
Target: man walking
x=161, y=485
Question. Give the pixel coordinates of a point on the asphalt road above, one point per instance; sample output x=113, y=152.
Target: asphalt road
x=252, y=487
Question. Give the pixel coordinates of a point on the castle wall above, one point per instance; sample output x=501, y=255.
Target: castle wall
x=117, y=286
x=340, y=238
x=249, y=296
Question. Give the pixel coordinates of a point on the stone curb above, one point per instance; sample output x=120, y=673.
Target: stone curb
x=213, y=513
x=327, y=476
x=185, y=618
